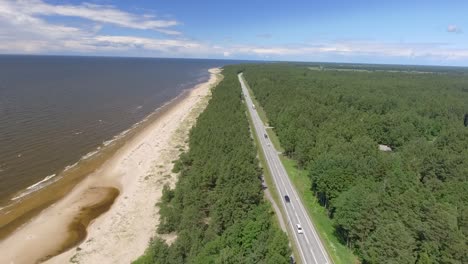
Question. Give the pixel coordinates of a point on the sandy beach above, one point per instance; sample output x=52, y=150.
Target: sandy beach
x=126, y=188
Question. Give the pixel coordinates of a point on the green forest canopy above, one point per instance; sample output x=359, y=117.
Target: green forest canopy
x=217, y=208
x=405, y=206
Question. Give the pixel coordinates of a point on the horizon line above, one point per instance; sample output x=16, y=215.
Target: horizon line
x=227, y=59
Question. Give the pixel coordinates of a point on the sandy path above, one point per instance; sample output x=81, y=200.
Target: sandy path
x=139, y=170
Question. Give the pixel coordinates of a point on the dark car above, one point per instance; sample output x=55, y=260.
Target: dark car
x=265, y=135
x=291, y=260
x=286, y=198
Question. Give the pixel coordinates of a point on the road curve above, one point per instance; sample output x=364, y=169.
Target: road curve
x=308, y=244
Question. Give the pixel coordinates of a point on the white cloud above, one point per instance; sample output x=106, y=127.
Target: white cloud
x=454, y=29
x=128, y=42
x=20, y=32
x=97, y=13
x=24, y=28
x=438, y=51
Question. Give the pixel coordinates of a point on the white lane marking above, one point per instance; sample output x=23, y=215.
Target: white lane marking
x=295, y=212
x=254, y=116
x=311, y=226
x=281, y=169
x=269, y=156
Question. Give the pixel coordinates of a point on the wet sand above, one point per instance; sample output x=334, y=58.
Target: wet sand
x=137, y=171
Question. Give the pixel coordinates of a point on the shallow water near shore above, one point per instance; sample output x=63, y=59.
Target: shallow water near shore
x=55, y=111
x=20, y=212
x=103, y=199
x=124, y=184
x=62, y=117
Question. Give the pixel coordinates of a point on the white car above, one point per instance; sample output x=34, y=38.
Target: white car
x=299, y=229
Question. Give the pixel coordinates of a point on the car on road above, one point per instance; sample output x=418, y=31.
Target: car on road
x=286, y=198
x=299, y=229
x=265, y=135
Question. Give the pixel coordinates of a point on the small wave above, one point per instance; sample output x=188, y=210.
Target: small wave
x=124, y=133
x=5, y=209
x=21, y=195
x=70, y=166
x=37, y=186
x=119, y=136
x=108, y=142
x=89, y=155
x=43, y=180
x=6, y=212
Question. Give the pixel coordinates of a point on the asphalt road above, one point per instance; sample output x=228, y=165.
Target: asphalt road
x=308, y=243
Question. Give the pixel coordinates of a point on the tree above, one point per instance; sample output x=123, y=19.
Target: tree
x=390, y=243
x=331, y=122
x=216, y=208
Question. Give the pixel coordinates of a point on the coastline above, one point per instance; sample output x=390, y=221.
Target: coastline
x=29, y=203
x=138, y=170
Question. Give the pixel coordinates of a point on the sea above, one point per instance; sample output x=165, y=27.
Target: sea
x=58, y=110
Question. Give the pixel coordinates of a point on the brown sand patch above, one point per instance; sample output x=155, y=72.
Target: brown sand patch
x=96, y=201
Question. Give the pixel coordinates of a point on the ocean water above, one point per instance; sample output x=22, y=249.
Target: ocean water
x=56, y=110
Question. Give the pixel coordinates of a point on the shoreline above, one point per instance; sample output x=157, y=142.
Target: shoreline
x=137, y=170
x=55, y=176
x=28, y=204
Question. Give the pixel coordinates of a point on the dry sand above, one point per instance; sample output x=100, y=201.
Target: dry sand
x=138, y=170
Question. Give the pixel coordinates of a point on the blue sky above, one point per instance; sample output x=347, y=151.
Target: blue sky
x=402, y=32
